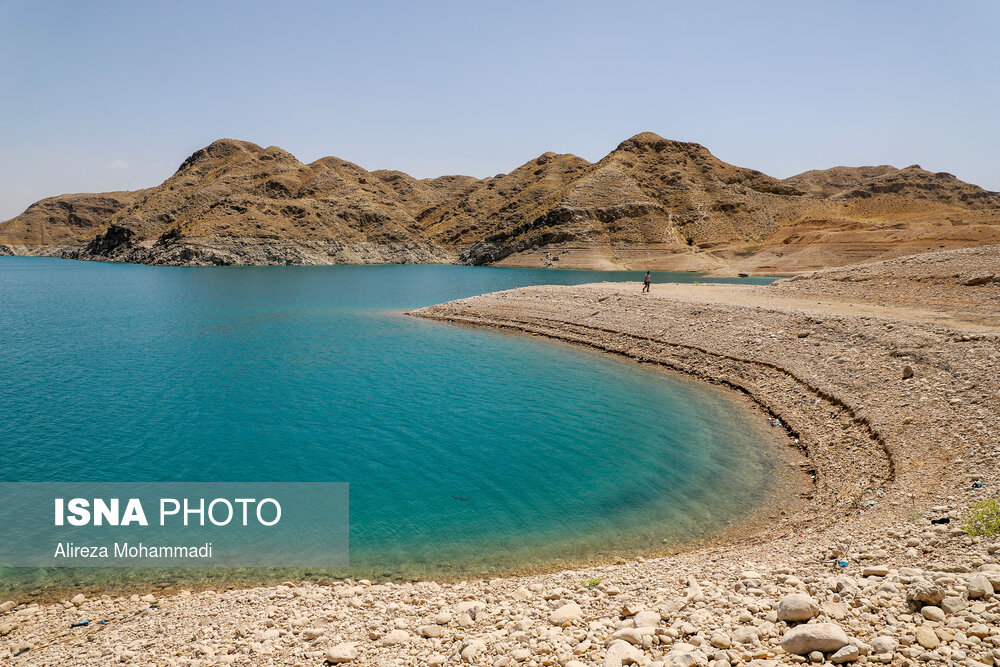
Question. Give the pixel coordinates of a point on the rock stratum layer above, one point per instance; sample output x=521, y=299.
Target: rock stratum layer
x=888, y=373
x=652, y=203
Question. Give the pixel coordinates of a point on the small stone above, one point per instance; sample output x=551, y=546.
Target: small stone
x=313, y=633
x=20, y=647
x=883, y=644
x=907, y=372
x=631, y=635
x=952, y=605
x=848, y=653
x=835, y=610
x=395, y=637
x=472, y=650
x=925, y=592
x=932, y=613
x=745, y=635
x=796, y=608
x=630, y=608
x=622, y=653
x=927, y=638
x=978, y=630
x=979, y=587
x=647, y=618
x=685, y=656
x=430, y=631
x=341, y=653
x=78, y=599
x=471, y=607
x=437, y=660
x=823, y=637
x=875, y=571
x=720, y=640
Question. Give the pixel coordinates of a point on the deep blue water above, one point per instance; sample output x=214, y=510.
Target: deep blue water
x=116, y=372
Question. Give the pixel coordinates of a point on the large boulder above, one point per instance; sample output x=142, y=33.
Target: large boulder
x=925, y=592
x=823, y=637
x=566, y=614
x=797, y=608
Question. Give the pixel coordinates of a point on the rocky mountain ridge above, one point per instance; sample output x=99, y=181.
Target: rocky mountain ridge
x=650, y=203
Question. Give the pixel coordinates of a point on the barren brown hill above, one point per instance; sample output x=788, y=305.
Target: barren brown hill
x=657, y=203
x=651, y=203
x=63, y=222
x=644, y=197
x=234, y=202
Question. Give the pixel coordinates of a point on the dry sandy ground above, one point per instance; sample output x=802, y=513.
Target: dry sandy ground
x=887, y=374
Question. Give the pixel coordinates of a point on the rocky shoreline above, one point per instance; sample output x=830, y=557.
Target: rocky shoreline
x=886, y=374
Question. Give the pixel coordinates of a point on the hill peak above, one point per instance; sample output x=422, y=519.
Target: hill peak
x=645, y=141
x=642, y=138
x=220, y=148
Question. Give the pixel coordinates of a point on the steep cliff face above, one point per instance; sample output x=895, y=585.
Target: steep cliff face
x=650, y=203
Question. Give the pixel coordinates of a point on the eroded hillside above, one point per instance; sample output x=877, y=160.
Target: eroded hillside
x=651, y=203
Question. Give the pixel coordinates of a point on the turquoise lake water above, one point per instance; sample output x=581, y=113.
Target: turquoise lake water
x=468, y=451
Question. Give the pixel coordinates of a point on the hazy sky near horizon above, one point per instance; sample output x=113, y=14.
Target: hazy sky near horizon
x=100, y=96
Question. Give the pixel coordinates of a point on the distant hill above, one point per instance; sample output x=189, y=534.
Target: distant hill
x=650, y=203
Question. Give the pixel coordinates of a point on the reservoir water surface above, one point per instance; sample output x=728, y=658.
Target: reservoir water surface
x=468, y=451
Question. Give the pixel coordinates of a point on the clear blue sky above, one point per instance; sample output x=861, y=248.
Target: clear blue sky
x=114, y=95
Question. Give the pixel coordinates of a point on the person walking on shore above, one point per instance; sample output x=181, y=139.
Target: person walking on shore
x=645, y=282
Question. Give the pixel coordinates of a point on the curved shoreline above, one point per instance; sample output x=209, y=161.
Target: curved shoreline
x=890, y=375
x=696, y=361
x=788, y=482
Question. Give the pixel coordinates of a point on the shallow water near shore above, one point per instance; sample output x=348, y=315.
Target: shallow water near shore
x=468, y=451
